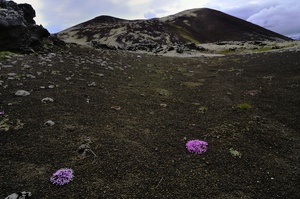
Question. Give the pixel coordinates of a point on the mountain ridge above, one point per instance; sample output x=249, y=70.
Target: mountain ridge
x=200, y=25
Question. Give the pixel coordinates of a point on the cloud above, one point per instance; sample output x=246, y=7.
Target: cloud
x=149, y=15
x=246, y=10
x=67, y=13
x=137, y=2
x=283, y=18
x=155, y=13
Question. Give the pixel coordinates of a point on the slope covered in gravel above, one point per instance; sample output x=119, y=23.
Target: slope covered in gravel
x=121, y=121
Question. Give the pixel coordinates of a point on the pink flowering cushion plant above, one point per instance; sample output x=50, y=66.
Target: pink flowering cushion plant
x=62, y=176
x=196, y=146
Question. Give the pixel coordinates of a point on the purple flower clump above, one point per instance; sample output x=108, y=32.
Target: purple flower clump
x=62, y=176
x=196, y=146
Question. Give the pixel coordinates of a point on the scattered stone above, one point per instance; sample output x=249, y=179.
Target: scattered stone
x=252, y=92
x=117, y=108
x=49, y=123
x=85, y=148
x=26, y=66
x=11, y=74
x=47, y=100
x=164, y=105
x=7, y=66
x=163, y=92
x=55, y=72
x=19, y=195
x=51, y=86
x=22, y=93
x=110, y=68
x=50, y=55
x=30, y=76
x=270, y=78
x=104, y=63
x=93, y=84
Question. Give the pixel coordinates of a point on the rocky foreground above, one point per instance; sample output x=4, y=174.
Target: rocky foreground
x=121, y=122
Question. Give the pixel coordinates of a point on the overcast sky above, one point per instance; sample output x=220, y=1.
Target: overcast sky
x=282, y=16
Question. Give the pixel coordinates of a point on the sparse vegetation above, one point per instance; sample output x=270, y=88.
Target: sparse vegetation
x=244, y=106
x=263, y=49
x=186, y=34
x=5, y=54
x=4, y=126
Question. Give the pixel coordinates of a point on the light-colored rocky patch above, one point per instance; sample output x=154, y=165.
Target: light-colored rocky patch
x=187, y=13
x=187, y=22
x=71, y=36
x=250, y=47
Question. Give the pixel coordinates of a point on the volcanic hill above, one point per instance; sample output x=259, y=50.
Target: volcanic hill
x=196, y=25
x=121, y=121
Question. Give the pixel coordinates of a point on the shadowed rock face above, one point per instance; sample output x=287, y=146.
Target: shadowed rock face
x=207, y=25
x=18, y=30
x=196, y=25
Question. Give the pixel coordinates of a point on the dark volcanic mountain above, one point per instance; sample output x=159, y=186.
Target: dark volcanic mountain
x=197, y=25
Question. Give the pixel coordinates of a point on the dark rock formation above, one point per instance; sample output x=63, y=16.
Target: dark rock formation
x=18, y=30
x=95, y=44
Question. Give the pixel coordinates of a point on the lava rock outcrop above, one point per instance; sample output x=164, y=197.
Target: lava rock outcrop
x=18, y=30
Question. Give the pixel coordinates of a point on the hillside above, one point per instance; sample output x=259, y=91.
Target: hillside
x=197, y=25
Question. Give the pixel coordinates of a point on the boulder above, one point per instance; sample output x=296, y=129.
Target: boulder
x=18, y=30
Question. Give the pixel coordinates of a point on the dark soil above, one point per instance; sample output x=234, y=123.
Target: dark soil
x=140, y=149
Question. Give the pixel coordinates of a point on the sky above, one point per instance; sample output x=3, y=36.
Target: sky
x=281, y=16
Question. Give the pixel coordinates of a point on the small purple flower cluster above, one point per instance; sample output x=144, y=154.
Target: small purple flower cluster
x=196, y=146
x=62, y=176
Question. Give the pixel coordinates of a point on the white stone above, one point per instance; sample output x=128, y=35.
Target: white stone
x=47, y=100
x=49, y=123
x=12, y=74
x=22, y=93
x=21, y=195
x=7, y=66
